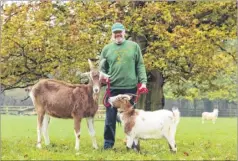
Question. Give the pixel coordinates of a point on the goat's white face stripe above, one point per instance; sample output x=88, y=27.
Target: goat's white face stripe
x=100, y=76
x=91, y=77
x=95, y=87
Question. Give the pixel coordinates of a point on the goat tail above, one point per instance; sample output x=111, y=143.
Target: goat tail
x=32, y=95
x=176, y=114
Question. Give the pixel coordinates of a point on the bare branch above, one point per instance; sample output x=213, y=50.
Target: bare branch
x=13, y=87
x=25, y=98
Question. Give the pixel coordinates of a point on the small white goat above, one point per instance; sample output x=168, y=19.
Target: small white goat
x=210, y=116
x=140, y=124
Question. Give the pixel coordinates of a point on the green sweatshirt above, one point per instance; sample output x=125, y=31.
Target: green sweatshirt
x=124, y=64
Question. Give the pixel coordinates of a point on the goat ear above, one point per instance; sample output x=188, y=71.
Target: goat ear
x=90, y=64
x=103, y=75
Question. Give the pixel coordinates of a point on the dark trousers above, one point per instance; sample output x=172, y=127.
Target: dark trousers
x=110, y=121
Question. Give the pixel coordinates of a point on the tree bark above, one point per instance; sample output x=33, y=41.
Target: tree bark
x=154, y=100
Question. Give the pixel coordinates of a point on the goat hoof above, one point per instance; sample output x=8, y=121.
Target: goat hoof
x=47, y=144
x=95, y=146
x=127, y=148
x=39, y=146
x=136, y=150
x=173, y=151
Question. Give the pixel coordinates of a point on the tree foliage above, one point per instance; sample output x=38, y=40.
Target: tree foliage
x=190, y=43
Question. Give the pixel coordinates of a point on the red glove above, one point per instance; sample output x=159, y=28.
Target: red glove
x=142, y=88
x=104, y=80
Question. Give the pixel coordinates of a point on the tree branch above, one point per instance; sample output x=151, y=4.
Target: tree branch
x=229, y=53
x=12, y=86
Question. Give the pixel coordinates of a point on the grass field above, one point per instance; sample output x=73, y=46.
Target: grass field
x=195, y=141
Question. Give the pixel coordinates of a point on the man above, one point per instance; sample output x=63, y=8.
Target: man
x=125, y=65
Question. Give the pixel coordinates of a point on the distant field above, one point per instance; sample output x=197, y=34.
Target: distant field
x=195, y=141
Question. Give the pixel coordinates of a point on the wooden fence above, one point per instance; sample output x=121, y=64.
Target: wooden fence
x=198, y=112
x=100, y=115
x=30, y=110
x=17, y=110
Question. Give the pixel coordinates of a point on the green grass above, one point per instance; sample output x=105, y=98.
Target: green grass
x=195, y=141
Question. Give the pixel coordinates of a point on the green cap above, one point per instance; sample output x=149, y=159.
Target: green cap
x=117, y=27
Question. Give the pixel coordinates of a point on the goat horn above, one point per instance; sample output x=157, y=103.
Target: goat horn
x=90, y=64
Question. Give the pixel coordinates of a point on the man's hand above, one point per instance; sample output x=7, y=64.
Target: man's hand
x=141, y=89
x=104, y=81
x=143, y=86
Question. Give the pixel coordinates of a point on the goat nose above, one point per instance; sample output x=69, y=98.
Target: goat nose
x=96, y=90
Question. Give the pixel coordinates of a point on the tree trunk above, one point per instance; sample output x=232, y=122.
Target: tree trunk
x=154, y=100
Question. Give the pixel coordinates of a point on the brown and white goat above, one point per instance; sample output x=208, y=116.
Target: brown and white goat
x=140, y=124
x=64, y=100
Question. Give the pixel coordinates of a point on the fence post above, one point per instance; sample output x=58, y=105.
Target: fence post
x=230, y=113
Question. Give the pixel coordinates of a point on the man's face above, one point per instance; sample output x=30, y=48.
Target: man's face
x=118, y=36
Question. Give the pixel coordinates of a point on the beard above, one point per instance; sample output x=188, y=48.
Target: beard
x=119, y=39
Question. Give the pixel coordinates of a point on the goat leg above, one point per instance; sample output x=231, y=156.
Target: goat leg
x=40, y=117
x=136, y=145
x=77, y=121
x=90, y=123
x=129, y=141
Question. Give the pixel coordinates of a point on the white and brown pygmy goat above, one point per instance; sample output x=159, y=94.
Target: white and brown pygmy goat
x=140, y=124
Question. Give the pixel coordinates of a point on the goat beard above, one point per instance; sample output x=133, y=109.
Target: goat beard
x=95, y=97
